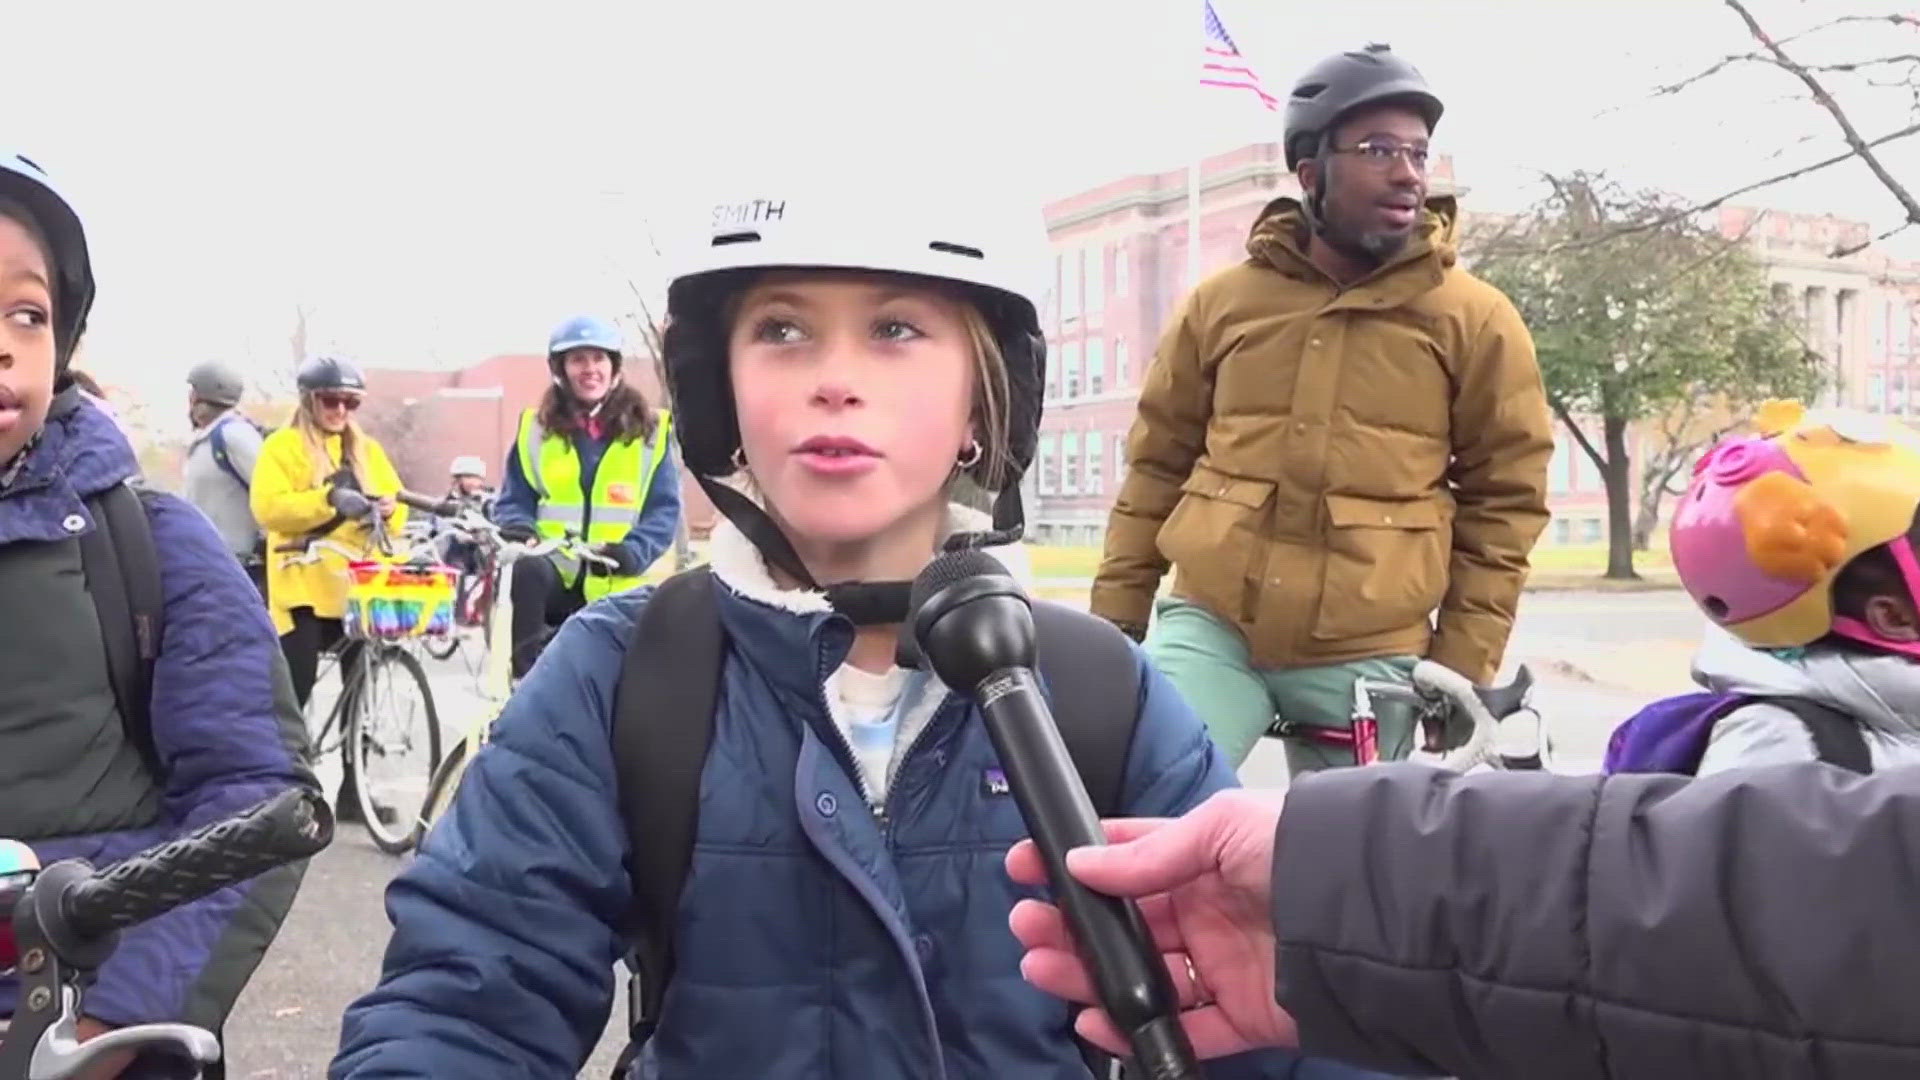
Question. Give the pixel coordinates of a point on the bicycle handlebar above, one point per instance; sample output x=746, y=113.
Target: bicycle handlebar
x=292, y=825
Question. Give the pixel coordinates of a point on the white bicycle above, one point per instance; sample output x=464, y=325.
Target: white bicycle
x=1460, y=726
x=372, y=703
x=496, y=670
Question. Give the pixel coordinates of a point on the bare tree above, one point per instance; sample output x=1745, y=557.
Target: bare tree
x=1897, y=68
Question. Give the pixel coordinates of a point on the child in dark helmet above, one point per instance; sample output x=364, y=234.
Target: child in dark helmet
x=838, y=359
x=83, y=775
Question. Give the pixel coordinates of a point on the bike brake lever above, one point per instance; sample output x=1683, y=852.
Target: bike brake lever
x=60, y=1054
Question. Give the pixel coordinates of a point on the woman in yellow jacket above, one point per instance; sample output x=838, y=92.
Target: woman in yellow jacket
x=320, y=476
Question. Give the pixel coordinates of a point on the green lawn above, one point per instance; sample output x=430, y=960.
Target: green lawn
x=1051, y=561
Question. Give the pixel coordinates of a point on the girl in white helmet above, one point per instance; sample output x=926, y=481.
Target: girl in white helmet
x=838, y=360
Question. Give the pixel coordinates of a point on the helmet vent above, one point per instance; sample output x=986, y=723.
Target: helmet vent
x=1309, y=91
x=957, y=249
x=736, y=238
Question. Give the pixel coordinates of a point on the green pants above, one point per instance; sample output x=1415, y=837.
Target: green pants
x=1206, y=660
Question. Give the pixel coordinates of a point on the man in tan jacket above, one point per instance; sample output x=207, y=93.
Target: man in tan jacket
x=1338, y=437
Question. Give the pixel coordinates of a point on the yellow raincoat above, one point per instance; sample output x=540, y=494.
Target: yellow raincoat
x=289, y=504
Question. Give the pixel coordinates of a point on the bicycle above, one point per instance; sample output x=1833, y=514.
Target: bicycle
x=64, y=921
x=1462, y=726
x=496, y=681
x=473, y=597
x=358, y=722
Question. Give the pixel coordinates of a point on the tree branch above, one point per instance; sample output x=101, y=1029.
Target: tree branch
x=1895, y=20
x=1560, y=409
x=1826, y=101
x=1855, y=249
x=1700, y=208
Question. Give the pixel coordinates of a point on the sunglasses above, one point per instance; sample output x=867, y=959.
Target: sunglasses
x=348, y=402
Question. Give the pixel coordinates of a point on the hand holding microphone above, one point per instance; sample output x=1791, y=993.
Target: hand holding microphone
x=974, y=626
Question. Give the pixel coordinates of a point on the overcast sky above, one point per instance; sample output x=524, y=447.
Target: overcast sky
x=441, y=181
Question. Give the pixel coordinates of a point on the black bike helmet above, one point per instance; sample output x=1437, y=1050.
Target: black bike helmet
x=329, y=373
x=24, y=182
x=1347, y=81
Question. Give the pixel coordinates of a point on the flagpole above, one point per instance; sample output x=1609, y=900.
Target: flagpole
x=1193, y=177
x=1193, y=220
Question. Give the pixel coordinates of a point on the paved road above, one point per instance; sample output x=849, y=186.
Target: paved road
x=1598, y=656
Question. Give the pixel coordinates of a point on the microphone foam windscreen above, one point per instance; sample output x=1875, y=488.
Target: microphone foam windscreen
x=949, y=568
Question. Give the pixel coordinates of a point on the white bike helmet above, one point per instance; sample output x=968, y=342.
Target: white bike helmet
x=468, y=465
x=990, y=243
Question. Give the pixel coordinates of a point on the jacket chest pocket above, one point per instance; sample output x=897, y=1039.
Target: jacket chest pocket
x=1215, y=531
x=1386, y=566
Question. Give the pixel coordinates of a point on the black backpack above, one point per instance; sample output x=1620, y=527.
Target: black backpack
x=123, y=575
x=663, y=712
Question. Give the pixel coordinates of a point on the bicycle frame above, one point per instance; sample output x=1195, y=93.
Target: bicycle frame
x=496, y=684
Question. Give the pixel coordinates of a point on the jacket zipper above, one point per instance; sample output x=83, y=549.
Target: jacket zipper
x=851, y=761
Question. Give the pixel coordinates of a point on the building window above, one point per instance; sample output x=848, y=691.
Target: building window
x=1070, y=364
x=1093, y=534
x=1903, y=316
x=1096, y=445
x=1049, y=453
x=1876, y=391
x=1096, y=282
x=1071, y=273
x=1592, y=530
x=1122, y=374
x=1120, y=271
x=1882, y=314
x=1051, y=390
x=1560, y=469
x=1096, y=365
x=1562, y=531
x=1119, y=453
x=1070, y=463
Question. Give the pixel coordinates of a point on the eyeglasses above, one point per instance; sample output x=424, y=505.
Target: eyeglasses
x=1381, y=154
x=348, y=402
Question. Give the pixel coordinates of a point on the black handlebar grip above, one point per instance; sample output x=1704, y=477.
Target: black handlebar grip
x=292, y=825
x=428, y=505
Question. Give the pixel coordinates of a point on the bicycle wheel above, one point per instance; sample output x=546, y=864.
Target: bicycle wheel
x=446, y=781
x=443, y=646
x=395, y=744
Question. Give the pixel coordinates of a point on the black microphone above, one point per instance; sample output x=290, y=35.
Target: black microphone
x=974, y=627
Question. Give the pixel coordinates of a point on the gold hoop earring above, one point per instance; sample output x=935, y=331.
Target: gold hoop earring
x=972, y=455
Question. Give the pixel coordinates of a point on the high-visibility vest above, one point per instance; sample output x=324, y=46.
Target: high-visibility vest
x=607, y=513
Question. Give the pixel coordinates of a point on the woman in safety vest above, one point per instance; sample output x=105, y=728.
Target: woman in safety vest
x=592, y=460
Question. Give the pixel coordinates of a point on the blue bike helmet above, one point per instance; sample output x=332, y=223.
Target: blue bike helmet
x=25, y=183
x=583, y=331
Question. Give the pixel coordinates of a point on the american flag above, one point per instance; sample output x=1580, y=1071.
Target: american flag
x=1222, y=64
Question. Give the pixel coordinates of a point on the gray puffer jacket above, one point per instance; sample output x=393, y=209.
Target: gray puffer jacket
x=1881, y=691
x=1753, y=925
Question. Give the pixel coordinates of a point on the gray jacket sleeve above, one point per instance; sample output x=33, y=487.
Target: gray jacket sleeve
x=1755, y=924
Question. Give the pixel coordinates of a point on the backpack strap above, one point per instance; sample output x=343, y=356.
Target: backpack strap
x=217, y=441
x=663, y=717
x=663, y=710
x=123, y=575
x=1094, y=686
x=1837, y=737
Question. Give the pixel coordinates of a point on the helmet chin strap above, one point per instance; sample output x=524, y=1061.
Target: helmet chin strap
x=1313, y=205
x=864, y=603
x=1858, y=630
